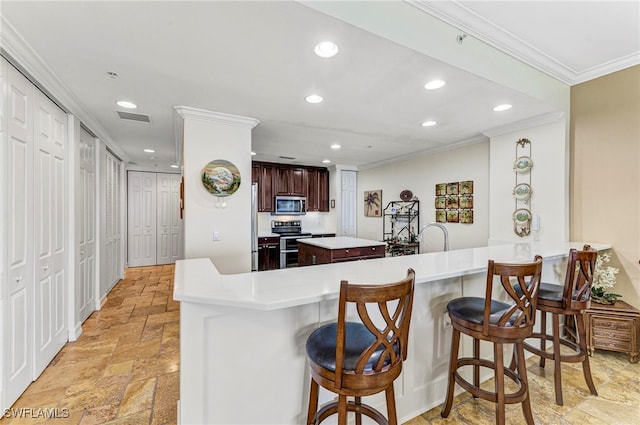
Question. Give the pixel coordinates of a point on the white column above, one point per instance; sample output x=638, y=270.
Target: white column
x=208, y=136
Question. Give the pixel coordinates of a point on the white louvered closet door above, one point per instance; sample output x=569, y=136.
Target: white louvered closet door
x=50, y=202
x=17, y=342
x=163, y=182
x=176, y=229
x=113, y=222
x=86, y=226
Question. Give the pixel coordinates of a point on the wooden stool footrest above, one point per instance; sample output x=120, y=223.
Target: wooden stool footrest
x=509, y=398
x=576, y=357
x=332, y=408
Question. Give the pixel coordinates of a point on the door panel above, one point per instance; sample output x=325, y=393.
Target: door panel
x=50, y=261
x=163, y=215
x=86, y=222
x=176, y=228
x=18, y=318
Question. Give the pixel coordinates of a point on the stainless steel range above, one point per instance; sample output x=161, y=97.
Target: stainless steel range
x=290, y=232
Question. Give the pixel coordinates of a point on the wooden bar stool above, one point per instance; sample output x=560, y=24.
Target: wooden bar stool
x=356, y=359
x=570, y=301
x=485, y=319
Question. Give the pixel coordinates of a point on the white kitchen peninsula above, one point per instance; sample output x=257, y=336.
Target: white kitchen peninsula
x=242, y=336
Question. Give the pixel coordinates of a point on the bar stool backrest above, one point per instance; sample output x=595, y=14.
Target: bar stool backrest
x=581, y=266
x=393, y=302
x=519, y=317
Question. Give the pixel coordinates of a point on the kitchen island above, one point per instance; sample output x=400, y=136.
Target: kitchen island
x=315, y=251
x=242, y=336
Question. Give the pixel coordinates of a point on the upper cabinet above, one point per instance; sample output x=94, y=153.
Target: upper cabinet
x=263, y=173
x=281, y=179
x=318, y=189
x=290, y=181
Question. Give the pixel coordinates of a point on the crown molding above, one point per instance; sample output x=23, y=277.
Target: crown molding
x=22, y=56
x=425, y=152
x=536, y=121
x=457, y=15
x=217, y=117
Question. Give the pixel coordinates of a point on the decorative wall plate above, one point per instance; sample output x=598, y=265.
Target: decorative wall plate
x=523, y=164
x=522, y=192
x=522, y=215
x=221, y=177
x=406, y=195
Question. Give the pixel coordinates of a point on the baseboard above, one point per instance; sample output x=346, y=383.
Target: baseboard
x=75, y=333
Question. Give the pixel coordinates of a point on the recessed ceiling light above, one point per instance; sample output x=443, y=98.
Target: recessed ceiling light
x=503, y=107
x=174, y=166
x=252, y=153
x=314, y=98
x=429, y=123
x=126, y=104
x=152, y=157
x=149, y=150
x=434, y=84
x=335, y=146
x=325, y=161
x=326, y=49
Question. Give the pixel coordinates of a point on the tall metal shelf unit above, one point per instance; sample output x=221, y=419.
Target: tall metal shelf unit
x=400, y=226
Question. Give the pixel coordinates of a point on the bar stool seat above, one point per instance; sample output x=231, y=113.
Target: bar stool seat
x=487, y=319
x=357, y=359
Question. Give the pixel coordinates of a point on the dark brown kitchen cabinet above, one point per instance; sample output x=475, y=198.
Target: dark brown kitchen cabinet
x=290, y=181
x=309, y=255
x=268, y=253
x=263, y=175
x=318, y=189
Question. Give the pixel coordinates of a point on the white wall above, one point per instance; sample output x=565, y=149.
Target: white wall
x=420, y=175
x=548, y=182
x=208, y=136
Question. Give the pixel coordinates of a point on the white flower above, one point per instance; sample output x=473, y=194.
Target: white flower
x=604, y=277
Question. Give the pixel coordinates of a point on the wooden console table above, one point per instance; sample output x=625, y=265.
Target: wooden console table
x=614, y=327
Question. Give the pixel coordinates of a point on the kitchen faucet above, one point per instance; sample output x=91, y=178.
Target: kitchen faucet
x=444, y=230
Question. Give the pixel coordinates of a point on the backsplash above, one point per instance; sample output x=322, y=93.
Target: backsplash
x=314, y=222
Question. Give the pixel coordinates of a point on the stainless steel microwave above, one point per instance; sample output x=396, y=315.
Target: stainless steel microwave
x=290, y=205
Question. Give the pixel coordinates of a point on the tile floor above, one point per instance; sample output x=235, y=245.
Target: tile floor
x=124, y=370
x=124, y=367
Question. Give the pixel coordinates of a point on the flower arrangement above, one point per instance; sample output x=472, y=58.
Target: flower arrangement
x=603, y=279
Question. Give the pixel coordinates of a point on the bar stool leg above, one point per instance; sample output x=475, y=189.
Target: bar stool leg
x=313, y=403
x=543, y=336
x=455, y=343
x=522, y=373
x=392, y=416
x=557, y=361
x=476, y=367
x=342, y=410
x=358, y=403
x=586, y=369
x=498, y=358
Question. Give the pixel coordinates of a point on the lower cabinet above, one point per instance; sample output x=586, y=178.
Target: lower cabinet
x=309, y=255
x=268, y=253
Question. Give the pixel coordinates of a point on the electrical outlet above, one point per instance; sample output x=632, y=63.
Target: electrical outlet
x=216, y=236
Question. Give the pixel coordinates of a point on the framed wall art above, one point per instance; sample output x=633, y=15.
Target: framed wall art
x=373, y=203
x=454, y=202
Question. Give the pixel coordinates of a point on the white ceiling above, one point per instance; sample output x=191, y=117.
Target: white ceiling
x=256, y=59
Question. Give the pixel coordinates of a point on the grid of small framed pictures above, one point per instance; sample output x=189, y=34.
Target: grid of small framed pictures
x=454, y=202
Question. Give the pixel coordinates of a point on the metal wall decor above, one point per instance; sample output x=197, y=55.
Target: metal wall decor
x=522, y=191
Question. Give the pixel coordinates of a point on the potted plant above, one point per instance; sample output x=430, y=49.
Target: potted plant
x=604, y=277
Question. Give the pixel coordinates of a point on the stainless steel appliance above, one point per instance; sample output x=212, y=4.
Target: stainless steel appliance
x=289, y=231
x=254, y=227
x=290, y=205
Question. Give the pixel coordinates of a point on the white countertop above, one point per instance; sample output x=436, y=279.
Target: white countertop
x=199, y=281
x=340, y=242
